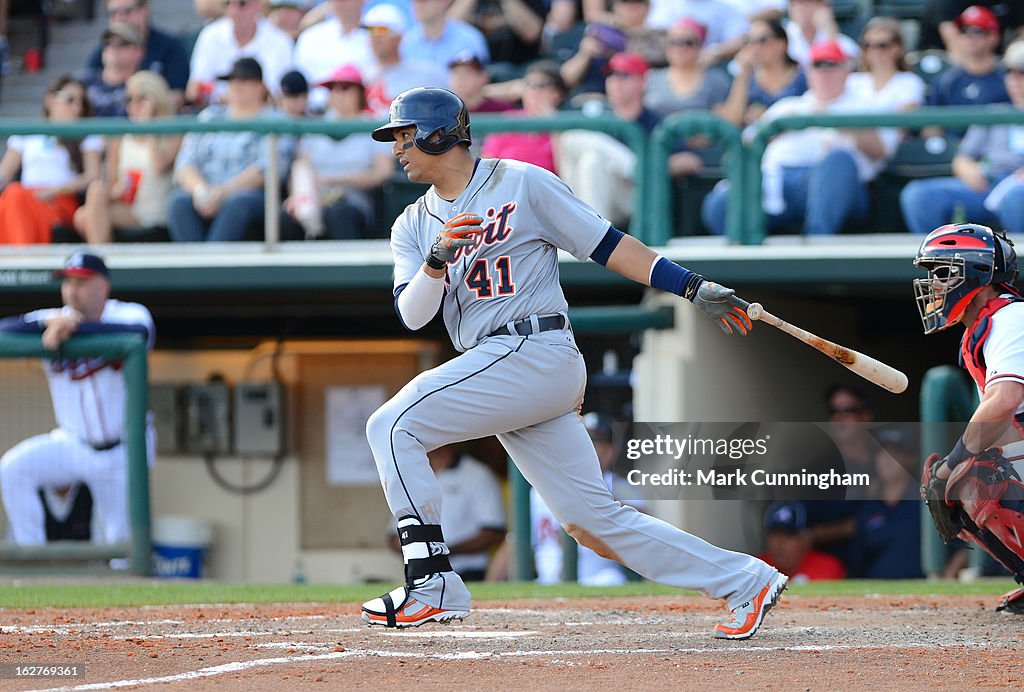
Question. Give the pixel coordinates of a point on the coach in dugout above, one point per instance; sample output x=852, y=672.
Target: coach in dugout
x=89, y=406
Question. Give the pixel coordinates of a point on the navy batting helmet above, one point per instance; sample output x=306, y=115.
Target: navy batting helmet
x=440, y=118
x=960, y=259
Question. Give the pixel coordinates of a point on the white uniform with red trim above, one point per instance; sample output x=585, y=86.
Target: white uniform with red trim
x=1004, y=362
x=89, y=406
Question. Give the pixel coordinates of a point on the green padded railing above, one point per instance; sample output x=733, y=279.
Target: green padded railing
x=131, y=349
x=946, y=397
x=750, y=209
x=629, y=132
x=659, y=197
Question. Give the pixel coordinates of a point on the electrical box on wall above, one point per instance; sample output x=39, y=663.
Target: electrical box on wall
x=164, y=402
x=258, y=418
x=207, y=418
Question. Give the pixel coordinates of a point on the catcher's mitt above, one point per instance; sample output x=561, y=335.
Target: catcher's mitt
x=948, y=519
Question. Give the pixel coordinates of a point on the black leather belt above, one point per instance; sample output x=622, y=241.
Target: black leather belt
x=524, y=327
x=104, y=446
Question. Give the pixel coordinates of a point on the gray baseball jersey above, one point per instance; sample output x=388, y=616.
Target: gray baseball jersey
x=526, y=390
x=512, y=272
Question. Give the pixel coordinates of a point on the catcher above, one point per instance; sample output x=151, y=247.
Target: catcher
x=975, y=492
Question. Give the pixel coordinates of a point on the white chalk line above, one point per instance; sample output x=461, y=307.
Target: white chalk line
x=558, y=658
x=459, y=634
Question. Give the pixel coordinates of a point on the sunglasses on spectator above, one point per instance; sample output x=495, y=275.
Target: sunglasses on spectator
x=1015, y=71
x=239, y=3
x=879, y=45
x=759, y=40
x=844, y=410
x=117, y=43
x=67, y=97
x=973, y=31
x=623, y=75
x=342, y=86
x=378, y=30
x=683, y=42
x=825, y=65
x=118, y=11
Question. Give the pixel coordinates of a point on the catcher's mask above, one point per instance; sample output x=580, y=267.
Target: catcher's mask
x=960, y=259
x=440, y=117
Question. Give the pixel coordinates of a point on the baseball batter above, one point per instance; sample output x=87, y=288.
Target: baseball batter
x=89, y=405
x=975, y=493
x=482, y=242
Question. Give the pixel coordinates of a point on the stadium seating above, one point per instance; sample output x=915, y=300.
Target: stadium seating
x=915, y=158
x=901, y=9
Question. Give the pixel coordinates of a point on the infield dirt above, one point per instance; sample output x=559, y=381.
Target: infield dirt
x=806, y=643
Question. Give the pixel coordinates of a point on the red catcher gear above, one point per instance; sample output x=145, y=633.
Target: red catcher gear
x=960, y=260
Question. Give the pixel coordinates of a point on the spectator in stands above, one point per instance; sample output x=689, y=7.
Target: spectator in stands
x=887, y=543
x=512, y=28
x=243, y=31
x=765, y=74
x=788, y=547
x=884, y=79
x=543, y=94
x=584, y=72
x=817, y=176
x=726, y=26
x=472, y=511
x=338, y=40
x=54, y=171
x=138, y=183
x=988, y=170
x=386, y=25
x=287, y=15
x=685, y=84
x=220, y=174
x=467, y=77
x=437, y=39
x=122, y=55
x=546, y=532
x=333, y=180
x=294, y=99
x=978, y=79
x=165, y=54
x=599, y=168
x=940, y=30
x=88, y=397
x=810, y=22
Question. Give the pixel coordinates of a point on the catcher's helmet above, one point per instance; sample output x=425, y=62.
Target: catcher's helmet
x=960, y=259
x=440, y=118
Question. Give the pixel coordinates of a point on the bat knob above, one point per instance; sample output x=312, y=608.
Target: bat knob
x=754, y=311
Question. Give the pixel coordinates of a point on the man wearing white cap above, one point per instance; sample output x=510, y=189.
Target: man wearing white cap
x=386, y=25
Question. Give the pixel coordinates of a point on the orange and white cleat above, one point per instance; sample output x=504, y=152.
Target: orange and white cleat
x=408, y=612
x=747, y=617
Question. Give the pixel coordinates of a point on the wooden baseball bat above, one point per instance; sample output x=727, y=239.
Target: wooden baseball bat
x=875, y=371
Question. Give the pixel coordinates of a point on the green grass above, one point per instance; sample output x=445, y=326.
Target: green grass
x=22, y=594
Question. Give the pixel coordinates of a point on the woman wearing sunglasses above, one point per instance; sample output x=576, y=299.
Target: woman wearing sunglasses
x=883, y=79
x=765, y=74
x=685, y=84
x=139, y=168
x=54, y=170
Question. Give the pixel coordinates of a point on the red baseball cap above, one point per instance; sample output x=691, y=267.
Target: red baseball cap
x=980, y=17
x=694, y=26
x=828, y=51
x=345, y=74
x=630, y=63
x=84, y=265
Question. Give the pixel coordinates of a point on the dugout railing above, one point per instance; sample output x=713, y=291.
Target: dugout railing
x=130, y=349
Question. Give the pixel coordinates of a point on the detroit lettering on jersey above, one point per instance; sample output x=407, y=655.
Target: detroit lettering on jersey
x=512, y=272
x=495, y=231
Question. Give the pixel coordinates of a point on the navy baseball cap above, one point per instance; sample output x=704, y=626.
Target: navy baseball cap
x=83, y=264
x=790, y=517
x=294, y=84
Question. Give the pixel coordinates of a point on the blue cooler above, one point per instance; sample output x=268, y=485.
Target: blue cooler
x=179, y=547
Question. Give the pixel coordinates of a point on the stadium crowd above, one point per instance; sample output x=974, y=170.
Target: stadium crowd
x=641, y=60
